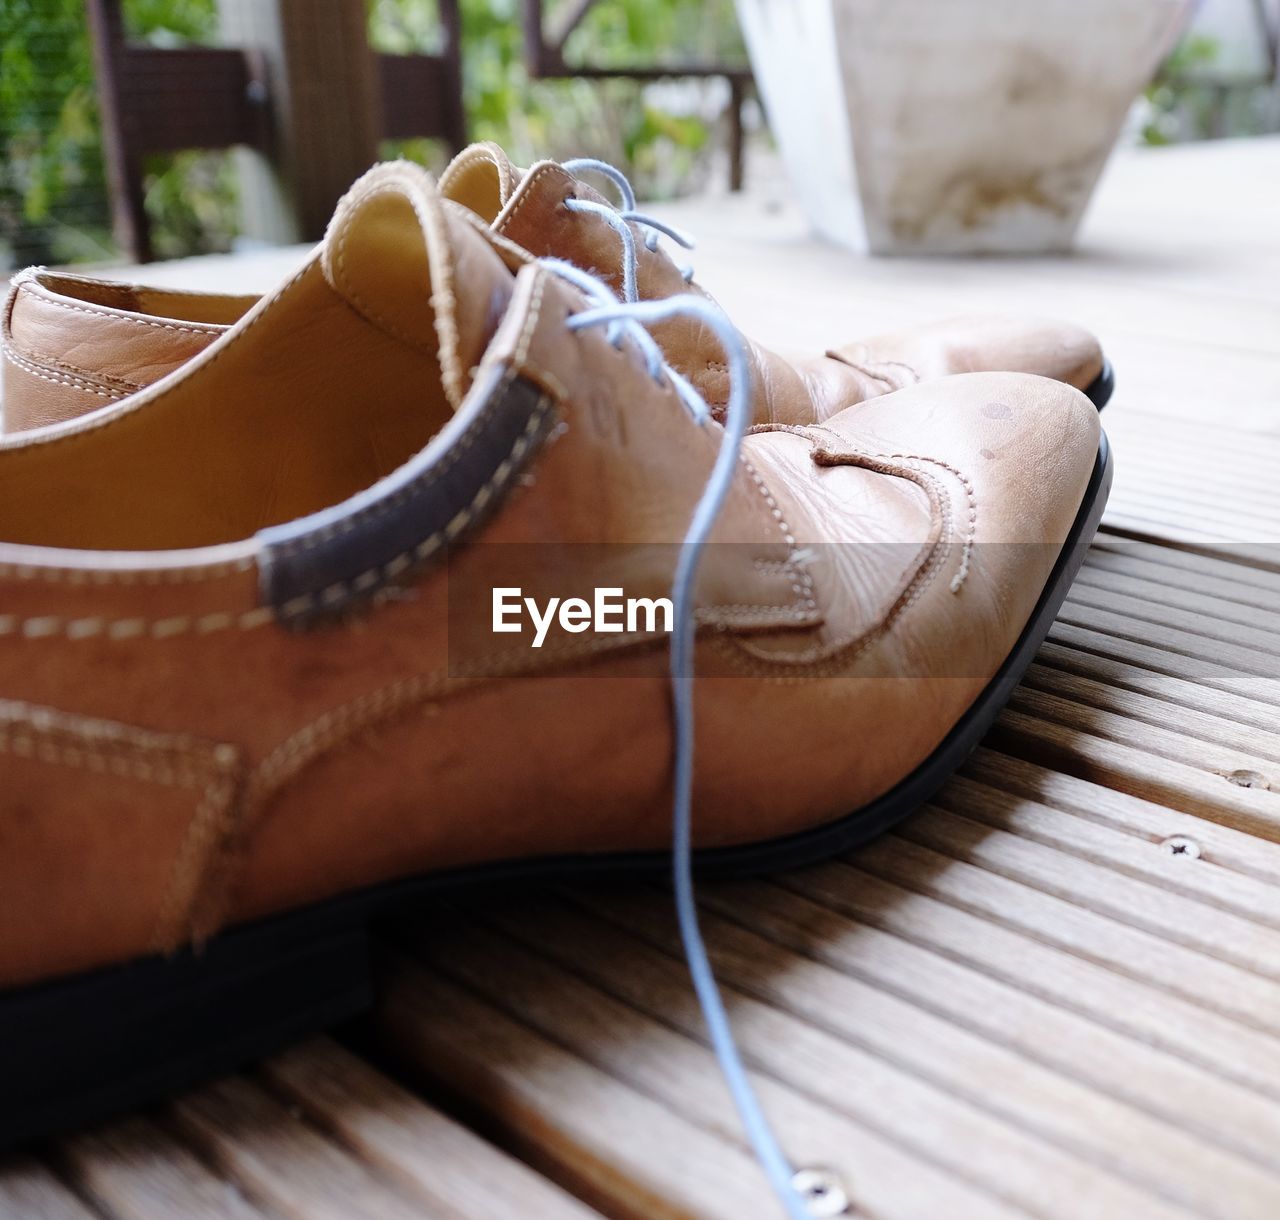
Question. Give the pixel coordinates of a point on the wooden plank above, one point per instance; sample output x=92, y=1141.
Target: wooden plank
x=188, y=97
x=1111, y=1136
x=412, y=95
x=1236, y=580
x=1242, y=740
x=1209, y=634
x=634, y=1051
x=398, y=1136
x=1209, y=447
x=1168, y=760
x=1226, y=595
x=133, y=1169
x=986, y=997
x=934, y=1125
x=1154, y=522
x=1200, y=481
x=1234, y=849
x=1134, y=770
x=1230, y=1048
x=275, y=1156
x=1161, y=688
x=1220, y=744
x=1136, y=855
x=123, y=164
x=1081, y=931
x=1181, y=486
x=610, y=1143
x=1144, y=904
x=1175, y=651
x=1041, y=1105
x=30, y=1190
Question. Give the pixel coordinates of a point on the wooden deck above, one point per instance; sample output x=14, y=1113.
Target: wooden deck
x=1055, y=992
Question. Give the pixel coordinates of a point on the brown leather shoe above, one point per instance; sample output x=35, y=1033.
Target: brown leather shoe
x=541, y=210
x=74, y=343
x=252, y=686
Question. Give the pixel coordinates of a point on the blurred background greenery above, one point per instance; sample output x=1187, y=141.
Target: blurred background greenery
x=53, y=196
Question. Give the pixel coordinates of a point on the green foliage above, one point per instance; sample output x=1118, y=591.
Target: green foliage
x=171, y=23
x=190, y=196
x=53, y=195
x=52, y=189
x=1173, y=91
x=1190, y=101
x=53, y=192
x=663, y=151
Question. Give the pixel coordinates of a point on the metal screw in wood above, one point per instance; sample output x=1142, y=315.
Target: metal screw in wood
x=1180, y=845
x=822, y=1192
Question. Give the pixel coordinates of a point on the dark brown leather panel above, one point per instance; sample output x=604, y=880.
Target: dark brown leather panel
x=322, y=564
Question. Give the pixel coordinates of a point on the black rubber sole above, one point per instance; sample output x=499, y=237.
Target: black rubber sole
x=80, y=1049
x=1100, y=389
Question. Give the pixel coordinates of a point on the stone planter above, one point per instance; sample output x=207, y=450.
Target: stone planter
x=952, y=126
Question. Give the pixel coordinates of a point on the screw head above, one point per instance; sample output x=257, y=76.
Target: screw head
x=1180, y=845
x=821, y=1191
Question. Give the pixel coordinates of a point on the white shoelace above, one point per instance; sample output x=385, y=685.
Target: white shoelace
x=629, y=318
x=618, y=219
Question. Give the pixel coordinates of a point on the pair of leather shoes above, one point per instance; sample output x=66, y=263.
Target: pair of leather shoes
x=75, y=344
x=400, y=576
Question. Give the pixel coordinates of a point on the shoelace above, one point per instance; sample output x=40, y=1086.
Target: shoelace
x=630, y=318
x=617, y=218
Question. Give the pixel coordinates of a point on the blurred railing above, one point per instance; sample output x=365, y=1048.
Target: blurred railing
x=545, y=59
x=298, y=88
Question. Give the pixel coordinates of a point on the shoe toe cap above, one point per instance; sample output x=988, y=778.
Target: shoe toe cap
x=974, y=343
x=1022, y=447
x=1046, y=347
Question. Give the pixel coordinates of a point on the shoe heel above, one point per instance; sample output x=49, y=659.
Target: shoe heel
x=79, y=1050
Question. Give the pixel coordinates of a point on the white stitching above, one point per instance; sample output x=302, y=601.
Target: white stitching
x=409, y=193
x=504, y=174
x=401, y=563
x=525, y=191
x=971, y=530
x=123, y=413
x=33, y=744
x=124, y=576
x=190, y=873
x=49, y=626
x=184, y=763
x=836, y=657
x=59, y=378
x=109, y=312
x=802, y=578
x=44, y=627
x=51, y=363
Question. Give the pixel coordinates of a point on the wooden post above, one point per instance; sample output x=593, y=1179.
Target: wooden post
x=123, y=164
x=455, y=122
x=737, y=142
x=324, y=92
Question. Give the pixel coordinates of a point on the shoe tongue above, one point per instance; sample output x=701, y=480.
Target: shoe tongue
x=398, y=256
x=482, y=178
